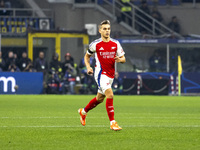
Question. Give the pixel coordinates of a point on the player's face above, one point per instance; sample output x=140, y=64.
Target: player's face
x=105, y=30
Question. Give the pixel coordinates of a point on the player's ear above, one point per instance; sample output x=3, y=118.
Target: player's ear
x=99, y=29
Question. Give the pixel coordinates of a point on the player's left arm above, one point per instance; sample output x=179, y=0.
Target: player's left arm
x=121, y=59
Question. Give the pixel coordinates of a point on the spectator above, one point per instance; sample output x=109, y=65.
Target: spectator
x=3, y=12
x=16, y=60
x=41, y=64
x=30, y=68
x=174, y=25
x=24, y=61
x=69, y=82
x=53, y=83
x=13, y=68
x=145, y=7
x=143, y=19
x=70, y=72
x=56, y=65
x=156, y=63
x=8, y=4
x=117, y=85
x=2, y=62
x=68, y=63
x=126, y=11
x=157, y=15
x=10, y=60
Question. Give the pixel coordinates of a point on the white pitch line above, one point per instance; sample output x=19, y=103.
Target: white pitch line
x=104, y=126
x=99, y=117
x=37, y=117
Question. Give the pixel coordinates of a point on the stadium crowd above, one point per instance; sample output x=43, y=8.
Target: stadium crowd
x=59, y=77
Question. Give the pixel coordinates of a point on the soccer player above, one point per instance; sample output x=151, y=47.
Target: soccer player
x=107, y=51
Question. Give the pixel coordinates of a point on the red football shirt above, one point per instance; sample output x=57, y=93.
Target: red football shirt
x=104, y=55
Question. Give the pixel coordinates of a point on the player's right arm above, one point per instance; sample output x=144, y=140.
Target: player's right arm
x=90, y=51
x=87, y=64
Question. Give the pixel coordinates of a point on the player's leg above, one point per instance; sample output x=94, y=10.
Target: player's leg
x=110, y=109
x=109, y=104
x=92, y=104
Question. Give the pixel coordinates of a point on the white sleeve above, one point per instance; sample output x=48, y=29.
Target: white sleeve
x=120, y=51
x=92, y=48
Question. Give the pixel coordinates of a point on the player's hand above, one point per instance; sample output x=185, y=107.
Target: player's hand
x=117, y=59
x=89, y=71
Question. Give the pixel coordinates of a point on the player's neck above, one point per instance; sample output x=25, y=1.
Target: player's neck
x=105, y=39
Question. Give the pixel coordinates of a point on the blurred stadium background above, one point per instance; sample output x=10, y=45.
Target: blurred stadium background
x=62, y=29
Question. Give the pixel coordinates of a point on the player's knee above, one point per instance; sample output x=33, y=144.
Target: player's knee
x=100, y=97
x=109, y=93
x=100, y=100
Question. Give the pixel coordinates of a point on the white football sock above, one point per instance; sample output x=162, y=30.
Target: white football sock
x=83, y=112
x=112, y=122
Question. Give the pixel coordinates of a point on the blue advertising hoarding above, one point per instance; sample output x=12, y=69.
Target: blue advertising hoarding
x=21, y=83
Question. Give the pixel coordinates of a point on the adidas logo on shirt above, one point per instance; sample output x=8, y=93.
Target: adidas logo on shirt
x=101, y=49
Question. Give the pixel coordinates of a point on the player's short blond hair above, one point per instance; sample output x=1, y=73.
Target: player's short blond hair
x=104, y=22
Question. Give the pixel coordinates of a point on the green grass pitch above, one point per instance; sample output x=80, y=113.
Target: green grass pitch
x=51, y=122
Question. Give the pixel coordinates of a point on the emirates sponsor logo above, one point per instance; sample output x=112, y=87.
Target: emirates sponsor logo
x=107, y=54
